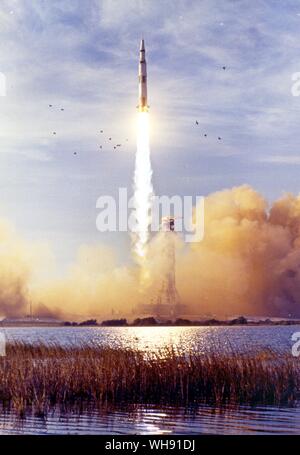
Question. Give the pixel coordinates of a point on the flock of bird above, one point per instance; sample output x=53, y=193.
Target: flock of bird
x=197, y=123
x=110, y=139
x=205, y=134
x=116, y=146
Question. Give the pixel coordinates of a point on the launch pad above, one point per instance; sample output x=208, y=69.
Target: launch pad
x=167, y=302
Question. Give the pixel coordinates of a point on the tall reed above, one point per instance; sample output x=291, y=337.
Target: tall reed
x=43, y=377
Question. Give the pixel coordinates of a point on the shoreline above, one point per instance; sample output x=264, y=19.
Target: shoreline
x=154, y=322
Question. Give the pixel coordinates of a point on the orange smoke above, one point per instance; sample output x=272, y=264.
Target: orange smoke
x=248, y=260
x=248, y=263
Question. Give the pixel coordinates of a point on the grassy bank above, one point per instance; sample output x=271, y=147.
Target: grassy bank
x=43, y=377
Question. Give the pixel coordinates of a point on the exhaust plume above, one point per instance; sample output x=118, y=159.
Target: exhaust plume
x=143, y=190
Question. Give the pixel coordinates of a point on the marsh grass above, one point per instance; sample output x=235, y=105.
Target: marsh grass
x=45, y=377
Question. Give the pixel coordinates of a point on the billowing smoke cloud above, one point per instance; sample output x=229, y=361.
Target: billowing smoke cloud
x=249, y=259
x=20, y=262
x=248, y=263
x=95, y=286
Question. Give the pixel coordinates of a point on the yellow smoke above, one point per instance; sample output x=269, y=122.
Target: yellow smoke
x=94, y=286
x=247, y=263
x=21, y=264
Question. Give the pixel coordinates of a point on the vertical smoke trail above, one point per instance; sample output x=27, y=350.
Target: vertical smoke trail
x=143, y=189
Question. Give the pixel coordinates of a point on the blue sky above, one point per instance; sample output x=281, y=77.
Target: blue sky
x=82, y=55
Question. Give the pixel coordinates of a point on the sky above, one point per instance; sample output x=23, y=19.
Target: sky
x=82, y=56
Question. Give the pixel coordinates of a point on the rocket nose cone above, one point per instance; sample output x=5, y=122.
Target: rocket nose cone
x=142, y=45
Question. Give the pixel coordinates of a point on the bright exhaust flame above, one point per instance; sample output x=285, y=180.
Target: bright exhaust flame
x=143, y=190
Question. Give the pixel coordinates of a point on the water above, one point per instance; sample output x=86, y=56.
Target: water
x=201, y=339
x=166, y=420
x=162, y=420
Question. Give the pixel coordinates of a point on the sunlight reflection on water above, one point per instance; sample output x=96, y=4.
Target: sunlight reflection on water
x=169, y=420
x=164, y=420
x=201, y=339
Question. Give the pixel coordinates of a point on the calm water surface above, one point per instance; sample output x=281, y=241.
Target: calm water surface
x=166, y=420
x=204, y=420
x=201, y=339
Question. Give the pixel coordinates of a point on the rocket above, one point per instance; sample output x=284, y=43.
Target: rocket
x=142, y=106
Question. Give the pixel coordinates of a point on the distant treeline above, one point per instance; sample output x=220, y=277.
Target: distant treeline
x=151, y=321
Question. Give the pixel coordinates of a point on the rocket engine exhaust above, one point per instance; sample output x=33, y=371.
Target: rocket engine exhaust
x=143, y=189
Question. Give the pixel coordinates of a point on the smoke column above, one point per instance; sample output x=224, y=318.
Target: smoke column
x=143, y=189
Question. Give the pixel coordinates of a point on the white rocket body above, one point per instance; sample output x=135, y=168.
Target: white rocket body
x=143, y=103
